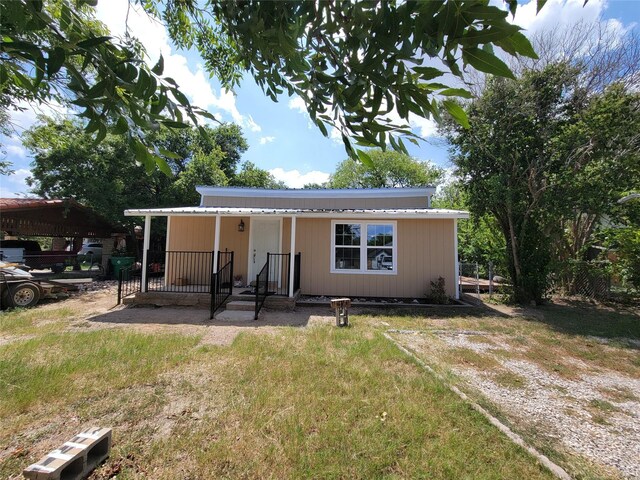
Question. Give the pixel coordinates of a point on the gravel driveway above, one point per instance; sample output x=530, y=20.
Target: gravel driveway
x=596, y=414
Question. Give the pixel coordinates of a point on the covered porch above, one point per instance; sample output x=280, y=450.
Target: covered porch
x=214, y=258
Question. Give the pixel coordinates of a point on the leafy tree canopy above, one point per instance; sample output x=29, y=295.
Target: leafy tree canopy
x=352, y=63
x=252, y=176
x=479, y=238
x=508, y=167
x=389, y=169
x=67, y=163
x=548, y=163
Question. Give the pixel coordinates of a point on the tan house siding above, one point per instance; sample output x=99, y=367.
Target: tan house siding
x=320, y=203
x=193, y=234
x=234, y=241
x=189, y=234
x=425, y=252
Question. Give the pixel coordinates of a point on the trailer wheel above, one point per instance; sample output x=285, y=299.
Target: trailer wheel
x=25, y=295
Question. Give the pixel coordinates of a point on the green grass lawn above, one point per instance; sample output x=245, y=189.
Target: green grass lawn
x=318, y=402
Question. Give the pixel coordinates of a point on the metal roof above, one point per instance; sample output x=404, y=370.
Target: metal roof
x=53, y=217
x=300, y=212
x=314, y=193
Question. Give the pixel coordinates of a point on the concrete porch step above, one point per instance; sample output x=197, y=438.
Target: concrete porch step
x=235, y=316
x=241, y=305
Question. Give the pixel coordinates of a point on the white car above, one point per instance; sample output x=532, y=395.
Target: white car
x=90, y=252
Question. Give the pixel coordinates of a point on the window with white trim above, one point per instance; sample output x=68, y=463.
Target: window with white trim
x=363, y=247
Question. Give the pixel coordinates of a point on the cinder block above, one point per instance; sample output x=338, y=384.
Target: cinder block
x=75, y=459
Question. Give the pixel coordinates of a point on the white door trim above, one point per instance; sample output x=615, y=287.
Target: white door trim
x=250, y=273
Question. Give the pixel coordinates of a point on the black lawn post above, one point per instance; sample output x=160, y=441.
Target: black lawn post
x=119, y=286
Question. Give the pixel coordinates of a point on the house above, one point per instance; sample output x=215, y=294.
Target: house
x=358, y=243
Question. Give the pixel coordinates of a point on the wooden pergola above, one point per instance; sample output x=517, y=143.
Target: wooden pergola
x=53, y=218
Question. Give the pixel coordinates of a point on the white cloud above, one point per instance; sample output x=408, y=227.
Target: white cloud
x=252, y=125
x=557, y=14
x=295, y=179
x=153, y=35
x=265, y=140
x=296, y=103
x=14, y=185
x=16, y=151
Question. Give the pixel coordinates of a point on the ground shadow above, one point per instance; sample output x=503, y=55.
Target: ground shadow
x=443, y=311
x=576, y=317
x=190, y=316
x=568, y=316
x=582, y=317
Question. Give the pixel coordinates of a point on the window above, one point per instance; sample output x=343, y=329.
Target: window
x=363, y=247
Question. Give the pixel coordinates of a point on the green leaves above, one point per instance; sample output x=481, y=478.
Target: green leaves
x=353, y=63
x=486, y=62
x=457, y=113
x=55, y=60
x=517, y=44
x=159, y=66
x=93, y=42
x=365, y=158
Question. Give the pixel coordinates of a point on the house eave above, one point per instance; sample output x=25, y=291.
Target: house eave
x=299, y=213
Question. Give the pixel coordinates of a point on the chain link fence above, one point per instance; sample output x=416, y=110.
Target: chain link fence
x=476, y=279
x=590, y=279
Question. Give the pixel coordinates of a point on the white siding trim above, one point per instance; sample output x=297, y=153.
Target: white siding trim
x=145, y=251
x=456, y=274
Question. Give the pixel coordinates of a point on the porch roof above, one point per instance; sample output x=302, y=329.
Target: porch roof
x=299, y=212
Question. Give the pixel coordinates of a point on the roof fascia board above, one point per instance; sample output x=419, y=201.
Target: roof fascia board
x=312, y=193
x=426, y=215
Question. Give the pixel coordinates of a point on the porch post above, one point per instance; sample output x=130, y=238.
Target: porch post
x=216, y=244
x=145, y=251
x=292, y=259
x=456, y=264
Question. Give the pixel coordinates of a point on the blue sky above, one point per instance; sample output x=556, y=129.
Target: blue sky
x=279, y=134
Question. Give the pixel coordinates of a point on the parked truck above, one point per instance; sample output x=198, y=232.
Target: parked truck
x=34, y=257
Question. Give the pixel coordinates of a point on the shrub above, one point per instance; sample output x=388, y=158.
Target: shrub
x=438, y=294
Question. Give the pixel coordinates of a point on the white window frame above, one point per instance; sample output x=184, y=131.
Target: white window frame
x=363, y=247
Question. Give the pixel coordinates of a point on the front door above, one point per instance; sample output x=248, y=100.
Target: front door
x=265, y=238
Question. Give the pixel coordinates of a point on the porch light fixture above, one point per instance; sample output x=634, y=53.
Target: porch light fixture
x=241, y=226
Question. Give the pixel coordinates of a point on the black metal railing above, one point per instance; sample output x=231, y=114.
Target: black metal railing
x=224, y=257
x=296, y=272
x=262, y=287
x=278, y=277
x=129, y=281
x=180, y=271
x=221, y=283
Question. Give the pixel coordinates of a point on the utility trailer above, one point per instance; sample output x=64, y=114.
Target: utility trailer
x=19, y=288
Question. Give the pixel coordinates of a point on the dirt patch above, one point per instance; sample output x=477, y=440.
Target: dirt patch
x=590, y=413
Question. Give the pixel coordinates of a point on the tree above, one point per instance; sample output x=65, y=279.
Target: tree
x=252, y=176
x=507, y=166
x=5, y=165
x=203, y=169
x=601, y=149
x=479, y=238
x=352, y=63
x=549, y=162
x=388, y=169
x=105, y=177
x=56, y=51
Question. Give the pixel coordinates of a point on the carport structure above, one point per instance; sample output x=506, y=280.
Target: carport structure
x=57, y=218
